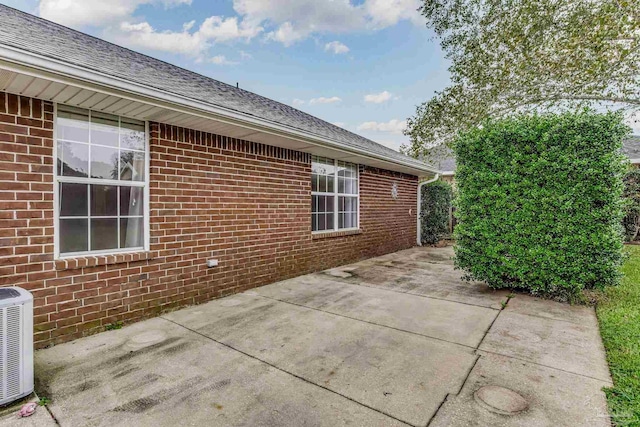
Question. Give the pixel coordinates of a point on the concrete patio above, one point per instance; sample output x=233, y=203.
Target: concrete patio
x=395, y=340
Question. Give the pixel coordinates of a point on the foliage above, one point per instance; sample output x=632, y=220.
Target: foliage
x=44, y=401
x=631, y=220
x=436, y=205
x=539, y=202
x=619, y=318
x=114, y=326
x=527, y=55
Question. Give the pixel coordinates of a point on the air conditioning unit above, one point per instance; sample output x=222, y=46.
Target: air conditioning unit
x=16, y=341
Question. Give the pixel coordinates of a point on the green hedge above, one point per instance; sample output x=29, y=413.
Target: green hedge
x=539, y=202
x=436, y=205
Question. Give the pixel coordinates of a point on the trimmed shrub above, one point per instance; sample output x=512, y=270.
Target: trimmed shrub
x=436, y=205
x=631, y=221
x=539, y=202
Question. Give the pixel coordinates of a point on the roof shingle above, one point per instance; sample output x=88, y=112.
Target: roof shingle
x=30, y=33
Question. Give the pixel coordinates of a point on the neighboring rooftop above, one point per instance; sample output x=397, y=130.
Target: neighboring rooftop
x=445, y=162
x=631, y=147
x=39, y=36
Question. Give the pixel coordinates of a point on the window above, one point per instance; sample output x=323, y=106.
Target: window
x=334, y=195
x=101, y=183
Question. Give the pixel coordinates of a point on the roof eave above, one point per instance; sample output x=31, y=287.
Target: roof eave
x=64, y=72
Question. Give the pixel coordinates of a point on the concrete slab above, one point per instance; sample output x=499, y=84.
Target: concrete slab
x=436, y=280
x=424, y=254
x=156, y=373
x=569, y=346
x=446, y=320
x=555, y=398
x=383, y=342
x=41, y=418
x=400, y=374
x=532, y=306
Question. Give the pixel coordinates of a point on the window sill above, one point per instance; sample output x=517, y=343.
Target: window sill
x=339, y=233
x=97, y=260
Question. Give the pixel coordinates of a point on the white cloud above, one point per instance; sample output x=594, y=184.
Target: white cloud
x=95, y=12
x=339, y=124
x=336, y=47
x=323, y=100
x=116, y=16
x=286, y=34
x=220, y=29
x=214, y=29
x=143, y=35
x=283, y=21
x=378, y=98
x=295, y=20
x=392, y=126
x=187, y=26
x=245, y=55
x=385, y=13
x=221, y=60
x=298, y=102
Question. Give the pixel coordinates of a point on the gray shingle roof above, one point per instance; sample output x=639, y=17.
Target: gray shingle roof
x=446, y=164
x=631, y=147
x=30, y=33
x=443, y=159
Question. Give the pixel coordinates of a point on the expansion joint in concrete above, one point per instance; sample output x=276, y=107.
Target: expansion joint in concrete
x=288, y=372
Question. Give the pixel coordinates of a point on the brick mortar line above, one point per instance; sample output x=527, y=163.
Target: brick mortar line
x=287, y=372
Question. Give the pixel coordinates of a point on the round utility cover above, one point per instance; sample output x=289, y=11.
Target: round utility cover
x=500, y=400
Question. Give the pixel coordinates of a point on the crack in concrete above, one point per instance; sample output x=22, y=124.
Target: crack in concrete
x=48, y=409
x=607, y=382
x=477, y=348
x=368, y=322
x=333, y=279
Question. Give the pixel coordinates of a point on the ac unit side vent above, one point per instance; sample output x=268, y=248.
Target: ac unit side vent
x=3, y=365
x=14, y=346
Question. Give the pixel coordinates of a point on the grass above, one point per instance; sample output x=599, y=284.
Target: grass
x=113, y=326
x=619, y=316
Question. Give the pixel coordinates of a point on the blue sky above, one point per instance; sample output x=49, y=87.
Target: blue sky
x=363, y=65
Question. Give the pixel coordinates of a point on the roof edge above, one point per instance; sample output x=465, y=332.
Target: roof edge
x=57, y=67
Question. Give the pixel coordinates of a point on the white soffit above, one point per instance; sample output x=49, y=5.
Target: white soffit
x=44, y=85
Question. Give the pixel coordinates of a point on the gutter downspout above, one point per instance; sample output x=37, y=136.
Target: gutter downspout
x=435, y=178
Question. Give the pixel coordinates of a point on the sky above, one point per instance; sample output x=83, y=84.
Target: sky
x=361, y=64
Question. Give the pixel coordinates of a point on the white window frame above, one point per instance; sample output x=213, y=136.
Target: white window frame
x=336, y=195
x=77, y=180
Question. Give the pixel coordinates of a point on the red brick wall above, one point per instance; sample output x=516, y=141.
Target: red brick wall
x=245, y=204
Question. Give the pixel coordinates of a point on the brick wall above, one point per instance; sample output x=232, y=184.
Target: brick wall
x=245, y=204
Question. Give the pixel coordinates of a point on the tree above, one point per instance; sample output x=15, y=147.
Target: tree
x=511, y=56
